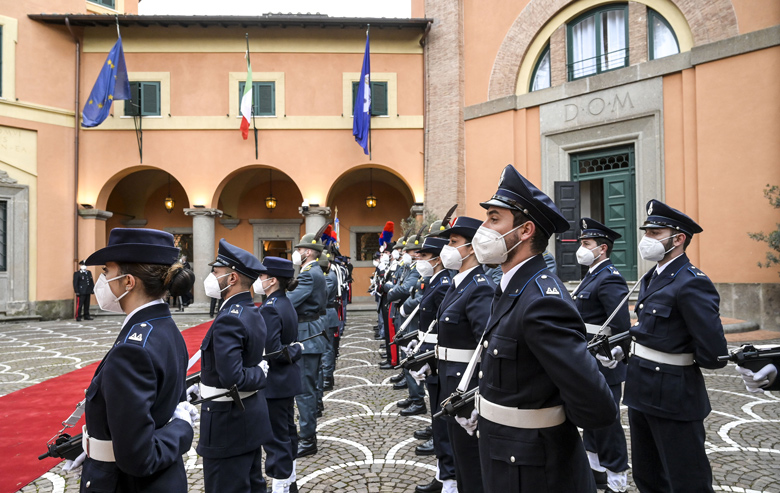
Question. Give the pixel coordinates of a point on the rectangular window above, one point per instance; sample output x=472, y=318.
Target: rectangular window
x=378, y=98
x=146, y=99
x=104, y=3
x=365, y=245
x=3, y=236
x=1, y=61
x=597, y=42
x=263, y=97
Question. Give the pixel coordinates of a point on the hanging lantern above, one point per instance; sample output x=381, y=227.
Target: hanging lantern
x=270, y=201
x=371, y=199
x=169, y=202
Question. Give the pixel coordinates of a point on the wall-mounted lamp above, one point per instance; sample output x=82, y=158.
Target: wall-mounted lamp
x=169, y=202
x=270, y=201
x=371, y=200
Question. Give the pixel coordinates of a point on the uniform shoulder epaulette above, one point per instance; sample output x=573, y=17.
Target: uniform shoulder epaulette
x=307, y=268
x=613, y=269
x=480, y=278
x=445, y=280
x=270, y=301
x=696, y=272
x=548, y=286
x=139, y=333
x=236, y=310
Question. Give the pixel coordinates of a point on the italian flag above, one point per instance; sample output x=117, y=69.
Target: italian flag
x=246, y=100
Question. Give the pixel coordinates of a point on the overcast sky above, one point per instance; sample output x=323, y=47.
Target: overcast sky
x=333, y=8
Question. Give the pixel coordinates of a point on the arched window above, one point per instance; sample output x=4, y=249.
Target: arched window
x=661, y=38
x=597, y=41
x=541, y=77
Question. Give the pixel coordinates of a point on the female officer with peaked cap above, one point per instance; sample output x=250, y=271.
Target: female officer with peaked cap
x=138, y=421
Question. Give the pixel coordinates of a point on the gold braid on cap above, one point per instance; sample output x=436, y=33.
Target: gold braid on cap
x=446, y=221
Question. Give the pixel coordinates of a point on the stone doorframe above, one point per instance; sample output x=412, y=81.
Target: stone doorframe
x=273, y=229
x=17, y=225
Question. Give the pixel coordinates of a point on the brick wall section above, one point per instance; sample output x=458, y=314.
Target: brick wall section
x=558, y=56
x=445, y=129
x=709, y=20
x=637, y=33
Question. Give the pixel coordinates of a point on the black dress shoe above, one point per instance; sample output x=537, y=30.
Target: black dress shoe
x=400, y=385
x=382, y=346
x=307, y=446
x=78, y=319
x=383, y=355
x=404, y=403
x=88, y=318
x=424, y=449
x=397, y=378
x=424, y=434
x=414, y=409
x=432, y=487
x=377, y=336
x=386, y=366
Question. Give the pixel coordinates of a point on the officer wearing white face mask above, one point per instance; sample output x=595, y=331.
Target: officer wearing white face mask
x=678, y=332
x=597, y=297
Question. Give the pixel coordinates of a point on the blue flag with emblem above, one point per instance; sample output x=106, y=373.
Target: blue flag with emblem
x=361, y=123
x=112, y=83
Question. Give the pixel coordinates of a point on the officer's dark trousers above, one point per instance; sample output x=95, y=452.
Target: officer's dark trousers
x=668, y=456
x=82, y=305
x=329, y=356
x=237, y=474
x=609, y=442
x=307, y=400
x=465, y=449
x=281, y=451
x=441, y=438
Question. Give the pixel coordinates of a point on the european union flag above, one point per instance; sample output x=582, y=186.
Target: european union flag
x=361, y=124
x=111, y=84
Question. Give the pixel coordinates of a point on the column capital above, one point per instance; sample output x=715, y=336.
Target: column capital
x=417, y=209
x=201, y=211
x=314, y=211
x=97, y=214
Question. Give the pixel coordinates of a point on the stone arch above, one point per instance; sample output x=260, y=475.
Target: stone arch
x=396, y=180
x=233, y=188
x=518, y=39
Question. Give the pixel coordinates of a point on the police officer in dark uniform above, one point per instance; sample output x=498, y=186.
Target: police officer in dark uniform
x=138, y=423
x=82, y=286
x=437, y=282
x=309, y=299
x=232, y=355
x=537, y=381
x=462, y=317
x=598, y=295
x=284, y=376
x=678, y=332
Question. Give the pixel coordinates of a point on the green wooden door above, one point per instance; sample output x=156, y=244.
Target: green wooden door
x=615, y=168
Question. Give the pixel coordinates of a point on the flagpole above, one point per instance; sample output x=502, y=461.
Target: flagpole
x=368, y=29
x=254, y=125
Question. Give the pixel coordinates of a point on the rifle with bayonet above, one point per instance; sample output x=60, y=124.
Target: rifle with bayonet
x=404, y=340
x=417, y=360
x=286, y=349
x=603, y=343
x=751, y=357
x=458, y=404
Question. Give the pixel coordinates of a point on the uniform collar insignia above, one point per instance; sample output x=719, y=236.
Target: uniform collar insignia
x=552, y=291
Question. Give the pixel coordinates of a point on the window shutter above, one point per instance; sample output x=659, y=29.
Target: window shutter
x=1, y=61
x=131, y=108
x=379, y=98
x=150, y=98
x=354, y=95
x=241, y=86
x=266, y=101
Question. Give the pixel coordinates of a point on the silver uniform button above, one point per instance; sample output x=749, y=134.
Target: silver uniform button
x=495, y=352
x=641, y=305
x=457, y=374
x=574, y=296
x=484, y=345
x=653, y=311
x=477, y=433
x=88, y=483
x=543, y=277
x=446, y=319
x=657, y=368
x=512, y=459
x=480, y=373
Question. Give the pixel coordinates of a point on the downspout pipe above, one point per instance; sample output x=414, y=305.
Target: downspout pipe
x=76, y=149
x=425, y=104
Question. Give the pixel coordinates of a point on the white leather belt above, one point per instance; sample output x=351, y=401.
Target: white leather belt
x=454, y=355
x=520, y=418
x=207, y=391
x=676, y=359
x=430, y=338
x=592, y=328
x=102, y=450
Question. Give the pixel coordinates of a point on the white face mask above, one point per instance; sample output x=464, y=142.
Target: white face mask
x=425, y=267
x=259, y=287
x=585, y=256
x=396, y=254
x=211, y=285
x=652, y=249
x=83, y=267
x=406, y=259
x=490, y=247
x=297, y=258
x=450, y=257
x=105, y=297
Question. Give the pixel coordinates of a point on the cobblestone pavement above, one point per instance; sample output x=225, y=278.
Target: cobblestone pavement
x=364, y=445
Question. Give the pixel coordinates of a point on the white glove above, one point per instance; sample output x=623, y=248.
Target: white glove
x=469, y=424
x=410, y=347
x=617, y=355
x=186, y=412
x=264, y=366
x=299, y=344
x=193, y=390
x=420, y=374
x=762, y=378
x=72, y=465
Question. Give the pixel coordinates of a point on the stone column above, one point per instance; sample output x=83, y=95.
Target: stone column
x=202, y=248
x=314, y=218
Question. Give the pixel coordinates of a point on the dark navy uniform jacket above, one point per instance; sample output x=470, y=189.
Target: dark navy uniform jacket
x=231, y=352
x=433, y=291
x=82, y=282
x=332, y=286
x=678, y=312
x=131, y=400
x=462, y=316
x=534, y=357
x=310, y=299
x=408, y=293
x=281, y=322
x=596, y=298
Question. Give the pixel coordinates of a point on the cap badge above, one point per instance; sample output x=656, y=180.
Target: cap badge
x=584, y=224
x=650, y=209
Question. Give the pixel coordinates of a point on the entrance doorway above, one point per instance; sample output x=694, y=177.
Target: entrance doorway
x=603, y=187
x=275, y=248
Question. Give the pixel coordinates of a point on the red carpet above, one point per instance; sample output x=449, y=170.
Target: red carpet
x=31, y=416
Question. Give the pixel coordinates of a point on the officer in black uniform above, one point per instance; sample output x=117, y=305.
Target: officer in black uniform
x=462, y=317
x=284, y=376
x=82, y=286
x=138, y=423
x=598, y=295
x=537, y=381
x=231, y=438
x=678, y=332
x=437, y=282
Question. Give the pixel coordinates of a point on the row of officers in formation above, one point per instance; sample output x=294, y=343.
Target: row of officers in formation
x=502, y=355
